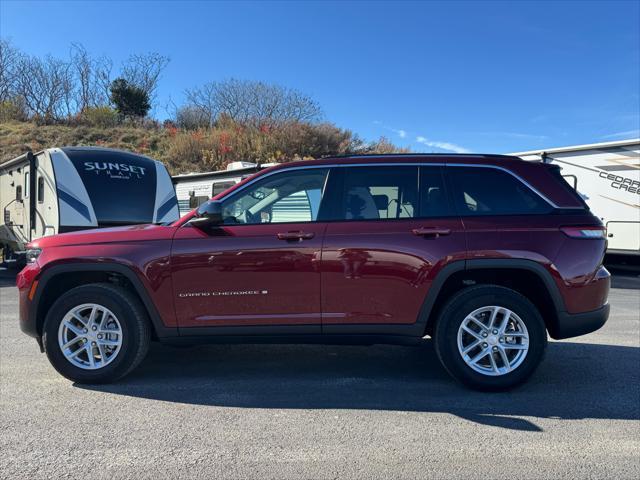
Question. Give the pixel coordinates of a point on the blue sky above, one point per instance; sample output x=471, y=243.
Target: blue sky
x=434, y=76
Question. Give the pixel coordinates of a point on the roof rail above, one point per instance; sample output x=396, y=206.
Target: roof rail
x=396, y=155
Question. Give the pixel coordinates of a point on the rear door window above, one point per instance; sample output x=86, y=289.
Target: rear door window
x=433, y=196
x=489, y=191
x=377, y=193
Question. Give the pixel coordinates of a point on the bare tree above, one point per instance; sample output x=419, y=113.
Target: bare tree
x=103, y=68
x=252, y=102
x=90, y=77
x=84, y=71
x=9, y=59
x=191, y=118
x=144, y=70
x=202, y=100
x=46, y=86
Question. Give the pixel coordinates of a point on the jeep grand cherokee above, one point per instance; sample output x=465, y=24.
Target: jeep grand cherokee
x=485, y=254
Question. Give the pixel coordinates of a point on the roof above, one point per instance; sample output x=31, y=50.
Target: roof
x=14, y=161
x=219, y=173
x=410, y=158
x=589, y=146
x=103, y=149
x=21, y=158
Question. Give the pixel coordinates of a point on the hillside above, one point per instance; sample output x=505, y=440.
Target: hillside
x=16, y=138
x=198, y=150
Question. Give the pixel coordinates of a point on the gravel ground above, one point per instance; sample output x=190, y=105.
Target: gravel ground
x=324, y=411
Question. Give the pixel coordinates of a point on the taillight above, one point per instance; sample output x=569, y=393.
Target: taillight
x=584, y=232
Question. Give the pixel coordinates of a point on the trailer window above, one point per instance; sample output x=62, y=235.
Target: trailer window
x=19, y=193
x=26, y=184
x=220, y=187
x=40, y=189
x=196, y=201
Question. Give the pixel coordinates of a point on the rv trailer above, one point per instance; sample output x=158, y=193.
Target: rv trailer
x=607, y=176
x=61, y=190
x=193, y=189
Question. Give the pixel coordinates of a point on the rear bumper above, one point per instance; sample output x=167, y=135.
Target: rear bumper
x=576, y=324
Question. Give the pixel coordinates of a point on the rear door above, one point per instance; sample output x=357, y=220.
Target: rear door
x=502, y=216
x=391, y=231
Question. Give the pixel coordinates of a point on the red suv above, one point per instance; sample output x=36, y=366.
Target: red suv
x=486, y=254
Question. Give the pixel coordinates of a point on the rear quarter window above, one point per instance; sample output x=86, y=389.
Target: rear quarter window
x=489, y=191
x=563, y=182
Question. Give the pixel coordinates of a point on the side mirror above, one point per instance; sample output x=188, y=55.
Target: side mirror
x=208, y=214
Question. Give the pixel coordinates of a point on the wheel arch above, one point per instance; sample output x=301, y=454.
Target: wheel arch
x=57, y=279
x=527, y=277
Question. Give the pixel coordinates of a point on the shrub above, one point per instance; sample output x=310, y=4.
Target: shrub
x=13, y=111
x=130, y=100
x=185, y=151
x=103, y=116
x=192, y=118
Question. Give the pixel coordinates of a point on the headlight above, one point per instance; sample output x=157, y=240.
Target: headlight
x=32, y=254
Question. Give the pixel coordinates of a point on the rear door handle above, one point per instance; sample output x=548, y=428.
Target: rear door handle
x=296, y=236
x=431, y=232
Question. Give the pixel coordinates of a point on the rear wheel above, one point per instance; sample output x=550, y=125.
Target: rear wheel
x=490, y=337
x=96, y=333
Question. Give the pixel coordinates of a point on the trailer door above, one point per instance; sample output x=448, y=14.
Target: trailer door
x=623, y=236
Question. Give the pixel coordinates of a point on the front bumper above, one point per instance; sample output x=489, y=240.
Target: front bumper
x=26, y=281
x=576, y=324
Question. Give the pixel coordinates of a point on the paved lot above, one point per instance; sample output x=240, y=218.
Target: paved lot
x=324, y=412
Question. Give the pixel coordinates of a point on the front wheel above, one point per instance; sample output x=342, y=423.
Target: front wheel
x=96, y=333
x=490, y=337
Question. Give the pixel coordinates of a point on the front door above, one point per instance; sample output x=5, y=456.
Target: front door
x=390, y=236
x=260, y=268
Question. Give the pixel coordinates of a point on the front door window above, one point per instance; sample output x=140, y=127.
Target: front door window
x=290, y=197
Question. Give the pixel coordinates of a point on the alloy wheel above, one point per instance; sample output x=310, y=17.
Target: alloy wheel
x=90, y=336
x=493, y=340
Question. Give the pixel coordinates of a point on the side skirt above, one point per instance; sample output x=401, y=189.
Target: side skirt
x=312, y=339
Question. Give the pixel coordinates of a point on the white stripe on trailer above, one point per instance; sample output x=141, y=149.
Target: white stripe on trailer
x=73, y=200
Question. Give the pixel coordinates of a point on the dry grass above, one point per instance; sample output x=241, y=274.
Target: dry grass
x=16, y=138
x=193, y=151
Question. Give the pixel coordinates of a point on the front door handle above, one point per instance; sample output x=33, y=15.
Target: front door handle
x=296, y=236
x=431, y=232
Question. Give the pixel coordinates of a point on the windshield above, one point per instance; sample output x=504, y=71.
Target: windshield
x=120, y=185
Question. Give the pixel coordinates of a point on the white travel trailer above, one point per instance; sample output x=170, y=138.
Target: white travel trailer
x=607, y=176
x=61, y=190
x=193, y=189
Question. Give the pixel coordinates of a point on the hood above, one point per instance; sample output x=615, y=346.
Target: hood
x=130, y=233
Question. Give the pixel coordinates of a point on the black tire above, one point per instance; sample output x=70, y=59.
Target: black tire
x=133, y=320
x=464, y=303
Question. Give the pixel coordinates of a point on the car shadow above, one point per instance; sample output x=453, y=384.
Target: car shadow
x=626, y=281
x=576, y=381
x=7, y=277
